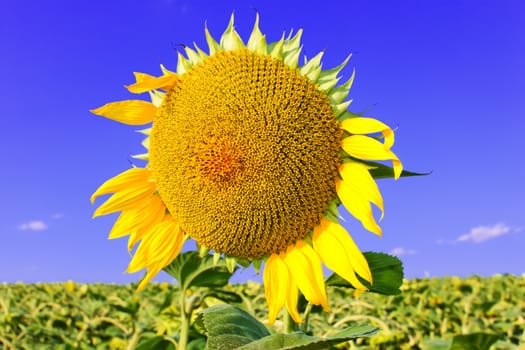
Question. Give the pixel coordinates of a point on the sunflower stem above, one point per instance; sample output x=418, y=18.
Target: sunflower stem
x=306, y=316
x=184, y=323
x=289, y=324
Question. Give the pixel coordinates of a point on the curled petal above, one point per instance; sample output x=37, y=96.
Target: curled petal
x=131, y=112
x=362, y=126
x=138, y=219
x=279, y=288
x=305, y=267
x=365, y=147
x=158, y=249
x=125, y=179
x=127, y=199
x=276, y=279
x=146, y=82
x=358, y=205
x=356, y=175
x=340, y=254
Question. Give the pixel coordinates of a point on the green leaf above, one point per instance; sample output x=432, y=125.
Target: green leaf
x=381, y=171
x=387, y=274
x=156, y=343
x=191, y=270
x=226, y=296
x=474, y=341
x=229, y=327
x=436, y=344
x=303, y=341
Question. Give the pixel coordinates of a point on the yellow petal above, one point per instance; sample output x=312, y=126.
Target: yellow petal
x=340, y=254
x=126, y=199
x=159, y=247
x=139, y=219
x=305, y=267
x=291, y=301
x=131, y=112
x=276, y=281
x=365, y=147
x=362, y=126
x=125, y=179
x=357, y=176
x=146, y=82
x=358, y=206
x=148, y=217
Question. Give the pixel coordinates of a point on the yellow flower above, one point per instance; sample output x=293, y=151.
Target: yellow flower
x=249, y=154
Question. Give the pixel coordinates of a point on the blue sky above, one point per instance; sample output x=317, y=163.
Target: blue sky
x=449, y=74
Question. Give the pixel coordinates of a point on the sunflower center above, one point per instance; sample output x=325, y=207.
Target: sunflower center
x=217, y=161
x=245, y=154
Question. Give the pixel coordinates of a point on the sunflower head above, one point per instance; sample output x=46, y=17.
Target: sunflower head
x=250, y=153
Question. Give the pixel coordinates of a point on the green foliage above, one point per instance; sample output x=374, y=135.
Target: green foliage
x=427, y=313
x=192, y=270
x=228, y=327
x=387, y=274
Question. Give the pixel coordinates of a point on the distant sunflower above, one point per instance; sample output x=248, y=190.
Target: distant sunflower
x=250, y=154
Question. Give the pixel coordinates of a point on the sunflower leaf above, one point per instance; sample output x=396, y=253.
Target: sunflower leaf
x=156, y=343
x=387, y=274
x=226, y=296
x=299, y=340
x=191, y=270
x=474, y=341
x=228, y=327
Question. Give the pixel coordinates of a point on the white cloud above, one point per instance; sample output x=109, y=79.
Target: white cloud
x=35, y=225
x=480, y=234
x=400, y=251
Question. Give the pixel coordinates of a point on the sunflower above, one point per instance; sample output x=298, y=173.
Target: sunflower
x=250, y=154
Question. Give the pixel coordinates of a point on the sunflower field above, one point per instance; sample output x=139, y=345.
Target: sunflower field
x=426, y=315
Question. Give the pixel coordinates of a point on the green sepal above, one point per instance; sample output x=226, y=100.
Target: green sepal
x=216, y=258
x=381, y=171
x=292, y=44
x=347, y=115
x=327, y=85
x=156, y=97
x=340, y=93
x=331, y=74
x=387, y=275
x=183, y=65
x=340, y=108
x=291, y=58
x=193, y=56
x=276, y=49
x=310, y=65
x=191, y=270
x=230, y=39
x=257, y=265
x=142, y=156
x=213, y=46
x=203, y=251
x=231, y=263
x=165, y=71
x=200, y=52
x=257, y=40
